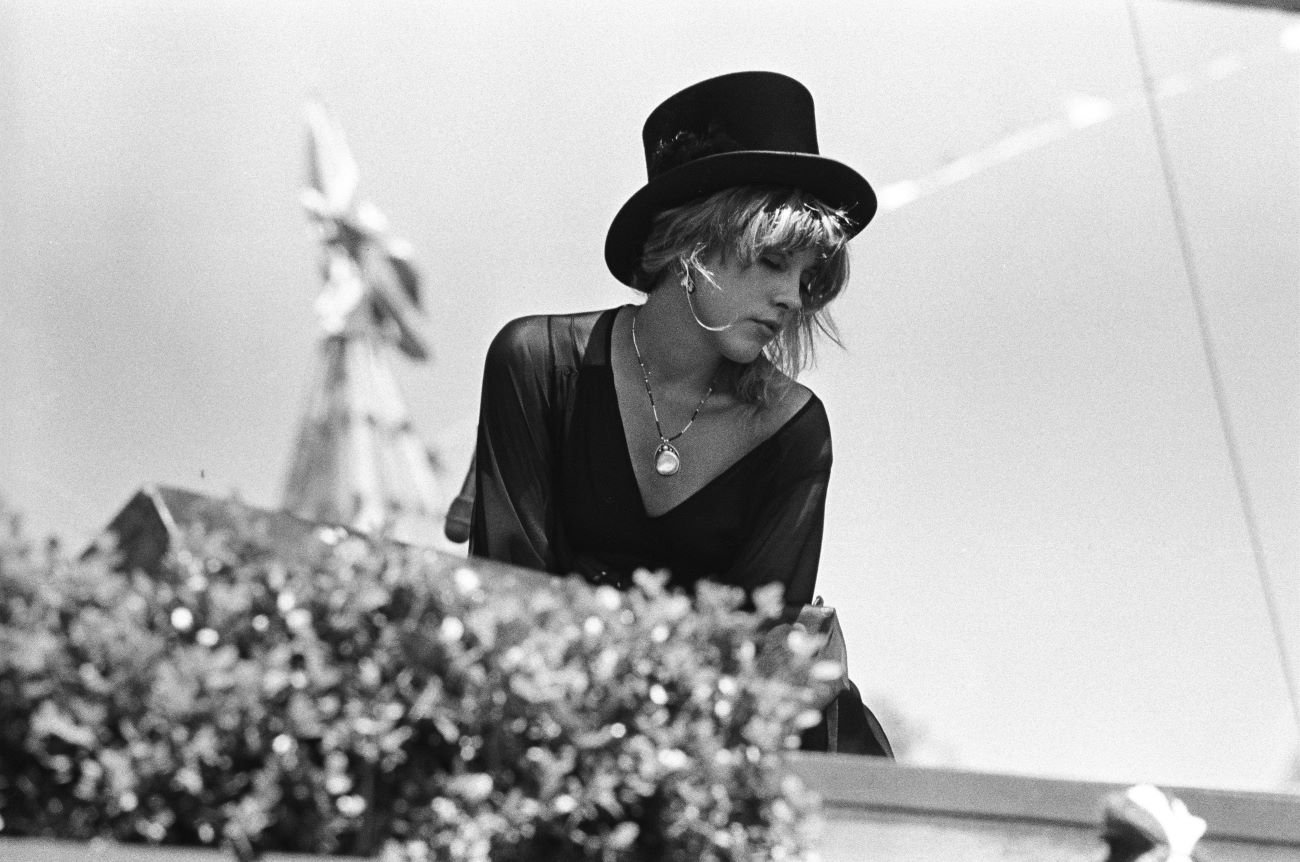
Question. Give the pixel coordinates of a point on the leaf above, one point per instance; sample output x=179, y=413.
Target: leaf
x=49, y=720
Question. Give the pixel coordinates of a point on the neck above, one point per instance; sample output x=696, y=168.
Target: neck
x=674, y=349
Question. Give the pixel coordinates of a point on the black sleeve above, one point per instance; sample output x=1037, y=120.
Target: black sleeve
x=786, y=539
x=514, y=506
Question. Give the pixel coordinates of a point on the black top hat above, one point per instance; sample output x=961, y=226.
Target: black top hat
x=746, y=128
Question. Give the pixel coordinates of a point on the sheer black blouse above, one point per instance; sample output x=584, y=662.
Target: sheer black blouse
x=555, y=489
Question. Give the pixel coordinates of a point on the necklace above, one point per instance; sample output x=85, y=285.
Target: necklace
x=667, y=459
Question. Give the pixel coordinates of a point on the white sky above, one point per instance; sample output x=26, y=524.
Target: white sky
x=1034, y=536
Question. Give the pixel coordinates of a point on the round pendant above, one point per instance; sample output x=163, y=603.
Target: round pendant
x=667, y=460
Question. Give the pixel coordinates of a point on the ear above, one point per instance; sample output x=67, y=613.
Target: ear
x=687, y=281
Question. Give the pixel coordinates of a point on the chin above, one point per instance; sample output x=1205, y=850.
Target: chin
x=743, y=354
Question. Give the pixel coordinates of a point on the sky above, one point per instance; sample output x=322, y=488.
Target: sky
x=1037, y=537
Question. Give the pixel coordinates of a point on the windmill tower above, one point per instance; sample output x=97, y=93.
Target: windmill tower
x=358, y=461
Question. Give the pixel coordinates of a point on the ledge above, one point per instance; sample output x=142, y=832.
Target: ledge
x=905, y=813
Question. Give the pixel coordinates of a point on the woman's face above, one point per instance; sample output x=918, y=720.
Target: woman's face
x=753, y=301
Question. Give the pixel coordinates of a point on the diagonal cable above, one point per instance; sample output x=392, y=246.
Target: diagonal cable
x=1212, y=364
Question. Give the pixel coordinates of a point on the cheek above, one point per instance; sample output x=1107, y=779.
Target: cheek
x=727, y=293
x=754, y=288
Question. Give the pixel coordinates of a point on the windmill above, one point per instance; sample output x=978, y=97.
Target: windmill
x=358, y=460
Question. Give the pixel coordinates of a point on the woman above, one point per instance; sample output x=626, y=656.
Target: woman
x=672, y=435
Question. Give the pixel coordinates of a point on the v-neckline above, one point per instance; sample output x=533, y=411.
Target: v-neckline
x=630, y=469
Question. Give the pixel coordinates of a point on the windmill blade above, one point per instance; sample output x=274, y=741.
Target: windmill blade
x=344, y=290
x=393, y=301
x=399, y=253
x=331, y=169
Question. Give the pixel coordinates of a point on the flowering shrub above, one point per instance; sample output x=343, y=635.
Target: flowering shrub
x=375, y=699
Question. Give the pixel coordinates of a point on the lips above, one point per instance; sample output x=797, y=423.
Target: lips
x=770, y=327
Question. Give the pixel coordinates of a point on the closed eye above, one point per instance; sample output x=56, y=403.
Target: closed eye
x=810, y=286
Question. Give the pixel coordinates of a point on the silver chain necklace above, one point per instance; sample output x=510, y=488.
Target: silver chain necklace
x=667, y=459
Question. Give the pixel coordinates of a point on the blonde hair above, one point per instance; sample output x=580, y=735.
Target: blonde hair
x=744, y=223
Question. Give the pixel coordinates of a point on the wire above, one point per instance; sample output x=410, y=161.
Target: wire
x=1212, y=365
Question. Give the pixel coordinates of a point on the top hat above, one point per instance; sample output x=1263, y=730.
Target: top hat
x=746, y=128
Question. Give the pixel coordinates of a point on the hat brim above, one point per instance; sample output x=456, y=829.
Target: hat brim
x=831, y=182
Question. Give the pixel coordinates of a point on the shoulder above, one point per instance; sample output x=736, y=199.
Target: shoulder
x=520, y=340
x=542, y=339
x=792, y=404
x=802, y=430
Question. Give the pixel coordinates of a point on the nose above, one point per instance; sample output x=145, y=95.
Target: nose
x=787, y=295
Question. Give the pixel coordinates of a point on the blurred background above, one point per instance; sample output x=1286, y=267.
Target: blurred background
x=1062, y=529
